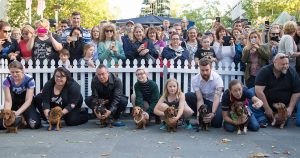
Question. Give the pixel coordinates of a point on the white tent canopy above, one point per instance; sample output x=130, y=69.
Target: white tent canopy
x=282, y=18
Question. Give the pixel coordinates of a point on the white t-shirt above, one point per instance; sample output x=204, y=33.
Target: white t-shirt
x=207, y=88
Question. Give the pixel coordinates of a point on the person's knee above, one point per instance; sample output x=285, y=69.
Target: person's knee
x=88, y=101
x=229, y=127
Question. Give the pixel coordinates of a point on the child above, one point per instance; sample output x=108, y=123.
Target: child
x=88, y=53
x=205, y=51
x=64, y=56
x=172, y=95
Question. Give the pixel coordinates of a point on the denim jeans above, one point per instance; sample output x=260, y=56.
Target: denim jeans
x=191, y=100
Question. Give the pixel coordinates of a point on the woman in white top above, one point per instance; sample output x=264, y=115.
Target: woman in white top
x=224, y=46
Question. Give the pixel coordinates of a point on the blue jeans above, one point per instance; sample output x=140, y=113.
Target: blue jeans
x=253, y=124
x=258, y=113
x=298, y=113
x=191, y=100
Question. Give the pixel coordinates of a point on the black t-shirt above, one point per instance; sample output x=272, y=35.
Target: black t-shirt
x=278, y=89
x=9, y=47
x=227, y=101
x=44, y=49
x=203, y=53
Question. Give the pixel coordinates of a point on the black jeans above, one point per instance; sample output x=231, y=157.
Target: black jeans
x=120, y=107
x=31, y=117
x=76, y=116
x=191, y=100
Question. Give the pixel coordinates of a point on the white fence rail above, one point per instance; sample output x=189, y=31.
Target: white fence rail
x=126, y=73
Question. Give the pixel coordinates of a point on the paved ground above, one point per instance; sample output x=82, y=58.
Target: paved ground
x=89, y=141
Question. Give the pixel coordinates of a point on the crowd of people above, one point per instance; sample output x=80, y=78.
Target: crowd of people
x=270, y=60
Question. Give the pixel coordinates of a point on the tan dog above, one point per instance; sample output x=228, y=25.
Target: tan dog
x=55, y=115
x=241, y=112
x=280, y=116
x=9, y=121
x=140, y=117
x=170, y=113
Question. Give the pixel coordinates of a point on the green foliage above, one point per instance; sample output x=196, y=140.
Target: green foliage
x=92, y=11
x=270, y=9
x=205, y=15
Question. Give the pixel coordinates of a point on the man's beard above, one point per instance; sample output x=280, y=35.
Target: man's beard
x=205, y=77
x=284, y=71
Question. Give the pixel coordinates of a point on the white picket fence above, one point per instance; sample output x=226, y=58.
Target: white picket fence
x=159, y=74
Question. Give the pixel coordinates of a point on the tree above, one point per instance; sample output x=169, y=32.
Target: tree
x=204, y=15
x=270, y=9
x=92, y=11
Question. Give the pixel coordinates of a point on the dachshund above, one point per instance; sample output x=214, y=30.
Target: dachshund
x=55, y=115
x=170, y=113
x=203, y=112
x=11, y=121
x=140, y=117
x=101, y=110
x=280, y=116
x=241, y=113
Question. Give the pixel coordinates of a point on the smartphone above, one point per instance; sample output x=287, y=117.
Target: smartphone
x=145, y=44
x=218, y=19
x=267, y=23
x=249, y=23
x=275, y=38
x=226, y=40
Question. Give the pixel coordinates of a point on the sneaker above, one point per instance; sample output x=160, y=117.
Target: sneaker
x=263, y=125
x=188, y=126
x=163, y=126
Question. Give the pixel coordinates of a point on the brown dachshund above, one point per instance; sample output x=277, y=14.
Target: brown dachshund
x=9, y=121
x=101, y=110
x=55, y=115
x=140, y=117
x=203, y=112
x=170, y=113
x=240, y=111
x=280, y=116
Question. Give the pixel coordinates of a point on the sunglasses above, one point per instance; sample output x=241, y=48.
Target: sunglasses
x=109, y=30
x=171, y=32
x=7, y=31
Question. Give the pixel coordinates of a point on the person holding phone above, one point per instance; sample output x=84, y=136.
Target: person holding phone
x=9, y=48
x=75, y=44
x=109, y=47
x=142, y=47
x=273, y=38
x=224, y=46
x=255, y=56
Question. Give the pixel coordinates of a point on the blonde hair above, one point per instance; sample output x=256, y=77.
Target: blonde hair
x=137, y=26
x=248, y=39
x=166, y=92
x=42, y=23
x=27, y=28
x=105, y=27
x=87, y=47
x=142, y=69
x=16, y=64
x=290, y=27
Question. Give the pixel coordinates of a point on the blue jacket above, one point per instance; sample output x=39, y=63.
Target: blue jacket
x=169, y=53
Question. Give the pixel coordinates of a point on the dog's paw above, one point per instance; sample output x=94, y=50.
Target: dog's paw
x=245, y=130
x=239, y=132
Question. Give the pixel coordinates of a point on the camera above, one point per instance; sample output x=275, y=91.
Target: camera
x=253, y=40
x=275, y=38
x=218, y=19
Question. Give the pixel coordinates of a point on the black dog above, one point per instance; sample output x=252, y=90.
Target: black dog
x=203, y=112
x=101, y=109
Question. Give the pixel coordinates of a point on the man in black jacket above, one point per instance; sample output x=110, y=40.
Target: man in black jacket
x=109, y=87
